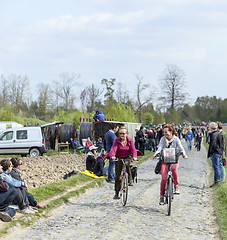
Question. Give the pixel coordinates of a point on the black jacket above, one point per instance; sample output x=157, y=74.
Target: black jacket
x=90, y=161
x=216, y=143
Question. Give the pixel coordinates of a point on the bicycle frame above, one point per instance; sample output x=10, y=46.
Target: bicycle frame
x=124, y=181
x=169, y=189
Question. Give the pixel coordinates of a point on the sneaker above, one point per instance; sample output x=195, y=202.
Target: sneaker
x=26, y=211
x=5, y=217
x=214, y=184
x=111, y=181
x=161, y=201
x=32, y=210
x=176, y=190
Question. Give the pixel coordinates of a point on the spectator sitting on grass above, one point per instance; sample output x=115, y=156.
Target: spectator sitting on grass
x=99, y=168
x=91, y=158
x=16, y=174
x=7, y=195
x=21, y=198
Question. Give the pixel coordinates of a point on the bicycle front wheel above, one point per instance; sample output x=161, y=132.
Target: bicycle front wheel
x=169, y=195
x=124, y=189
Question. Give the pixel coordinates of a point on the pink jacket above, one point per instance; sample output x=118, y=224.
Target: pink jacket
x=118, y=150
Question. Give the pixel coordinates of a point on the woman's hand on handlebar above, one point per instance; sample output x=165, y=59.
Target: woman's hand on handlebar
x=185, y=156
x=135, y=159
x=113, y=158
x=153, y=156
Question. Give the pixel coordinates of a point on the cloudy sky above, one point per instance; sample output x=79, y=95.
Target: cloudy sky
x=116, y=39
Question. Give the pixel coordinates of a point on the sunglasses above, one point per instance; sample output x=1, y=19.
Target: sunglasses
x=122, y=133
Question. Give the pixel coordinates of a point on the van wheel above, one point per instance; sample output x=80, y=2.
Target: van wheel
x=34, y=152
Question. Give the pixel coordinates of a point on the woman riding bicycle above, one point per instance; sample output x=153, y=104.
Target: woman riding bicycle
x=123, y=147
x=169, y=140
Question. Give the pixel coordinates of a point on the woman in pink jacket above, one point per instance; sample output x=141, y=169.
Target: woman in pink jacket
x=123, y=147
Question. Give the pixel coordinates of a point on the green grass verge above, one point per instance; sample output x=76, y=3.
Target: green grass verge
x=51, y=189
x=220, y=202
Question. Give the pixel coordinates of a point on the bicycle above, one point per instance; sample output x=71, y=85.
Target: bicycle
x=169, y=156
x=124, y=181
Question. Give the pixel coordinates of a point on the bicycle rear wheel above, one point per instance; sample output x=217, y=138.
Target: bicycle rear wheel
x=169, y=195
x=124, y=189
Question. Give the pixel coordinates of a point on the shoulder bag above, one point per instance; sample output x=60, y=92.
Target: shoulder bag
x=3, y=185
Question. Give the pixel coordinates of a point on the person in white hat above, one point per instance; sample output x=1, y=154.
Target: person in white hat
x=91, y=158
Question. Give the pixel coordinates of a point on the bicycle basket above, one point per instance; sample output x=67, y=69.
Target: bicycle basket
x=169, y=155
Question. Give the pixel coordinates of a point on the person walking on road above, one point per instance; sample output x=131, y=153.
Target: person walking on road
x=123, y=147
x=189, y=137
x=109, y=139
x=224, y=138
x=215, y=151
x=141, y=139
x=169, y=140
x=199, y=138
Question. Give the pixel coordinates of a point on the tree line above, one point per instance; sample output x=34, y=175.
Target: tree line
x=146, y=104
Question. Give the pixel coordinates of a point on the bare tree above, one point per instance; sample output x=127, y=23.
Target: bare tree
x=63, y=89
x=94, y=92
x=4, y=94
x=122, y=95
x=44, y=98
x=172, y=83
x=18, y=90
x=142, y=99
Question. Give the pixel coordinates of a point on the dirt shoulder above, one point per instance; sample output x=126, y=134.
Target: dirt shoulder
x=38, y=171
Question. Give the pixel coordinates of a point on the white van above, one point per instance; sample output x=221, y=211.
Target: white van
x=25, y=140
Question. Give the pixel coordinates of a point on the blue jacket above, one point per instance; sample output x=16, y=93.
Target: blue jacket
x=101, y=116
x=109, y=140
x=11, y=181
x=189, y=136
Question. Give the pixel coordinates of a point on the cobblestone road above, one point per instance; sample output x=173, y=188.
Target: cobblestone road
x=96, y=215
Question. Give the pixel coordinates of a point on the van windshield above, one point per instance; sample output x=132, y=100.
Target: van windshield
x=6, y=136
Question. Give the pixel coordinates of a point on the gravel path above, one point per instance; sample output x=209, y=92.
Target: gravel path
x=95, y=215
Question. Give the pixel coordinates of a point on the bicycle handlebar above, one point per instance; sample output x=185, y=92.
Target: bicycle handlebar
x=122, y=159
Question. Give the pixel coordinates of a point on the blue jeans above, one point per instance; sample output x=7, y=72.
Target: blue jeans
x=111, y=173
x=189, y=142
x=215, y=158
x=222, y=170
x=105, y=169
x=198, y=145
x=31, y=199
x=6, y=199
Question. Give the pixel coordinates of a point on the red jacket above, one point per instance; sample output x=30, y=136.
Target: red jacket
x=88, y=144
